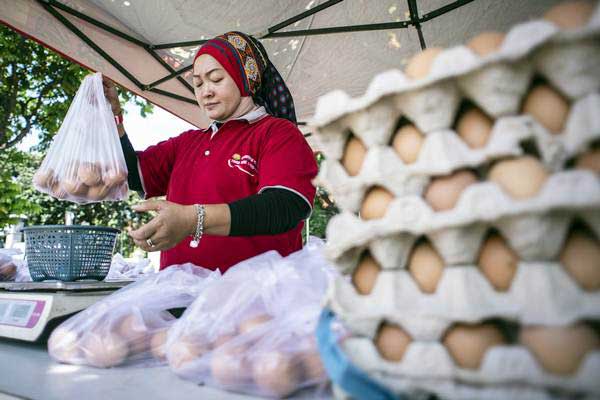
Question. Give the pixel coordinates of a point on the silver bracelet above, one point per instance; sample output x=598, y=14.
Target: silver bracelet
x=201, y=211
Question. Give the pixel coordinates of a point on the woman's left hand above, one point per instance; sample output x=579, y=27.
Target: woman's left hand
x=170, y=226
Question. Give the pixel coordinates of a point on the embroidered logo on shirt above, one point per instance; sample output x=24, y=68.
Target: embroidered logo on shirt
x=246, y=164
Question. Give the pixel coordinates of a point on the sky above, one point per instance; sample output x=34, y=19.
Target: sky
x=142, y=132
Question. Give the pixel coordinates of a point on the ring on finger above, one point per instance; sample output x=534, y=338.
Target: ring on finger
x=149, y=242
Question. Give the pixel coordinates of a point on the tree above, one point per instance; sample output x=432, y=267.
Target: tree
x=36, y=89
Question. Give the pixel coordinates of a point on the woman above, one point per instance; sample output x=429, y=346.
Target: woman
x=238, y=188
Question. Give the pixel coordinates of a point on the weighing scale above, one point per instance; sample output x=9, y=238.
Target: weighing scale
x=28, y=308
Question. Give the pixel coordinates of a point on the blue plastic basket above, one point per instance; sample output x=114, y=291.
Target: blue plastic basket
x=69, y=252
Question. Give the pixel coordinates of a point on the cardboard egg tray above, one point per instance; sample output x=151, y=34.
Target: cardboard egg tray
x=428, y=364
x=533, y=237
x=482, y=203
x=497, y=82
x=464, y=294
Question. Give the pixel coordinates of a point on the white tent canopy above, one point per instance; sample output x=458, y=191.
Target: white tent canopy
x=317, y=45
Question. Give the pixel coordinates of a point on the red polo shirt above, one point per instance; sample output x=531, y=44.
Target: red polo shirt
x=241, y=159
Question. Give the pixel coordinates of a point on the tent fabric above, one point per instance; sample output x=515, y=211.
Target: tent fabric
x=311, y=65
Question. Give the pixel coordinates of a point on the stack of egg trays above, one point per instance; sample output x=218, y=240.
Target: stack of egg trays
x=533, y=227
x=496, y=83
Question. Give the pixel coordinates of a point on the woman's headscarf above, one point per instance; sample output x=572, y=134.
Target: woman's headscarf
x=246, y=60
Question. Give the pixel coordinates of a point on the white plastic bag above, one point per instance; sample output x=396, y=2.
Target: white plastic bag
x=8, y=266
x=85, y=162
x=252, y=331
x=130, y=325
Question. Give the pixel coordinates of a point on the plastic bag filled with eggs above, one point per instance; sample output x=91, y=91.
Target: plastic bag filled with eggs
x=253, y=330
x=85, y=162
x=129, y=326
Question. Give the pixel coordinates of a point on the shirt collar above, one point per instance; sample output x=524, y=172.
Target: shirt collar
x=251, y=117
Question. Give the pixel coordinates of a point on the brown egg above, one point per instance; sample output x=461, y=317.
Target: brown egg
x=426, y=266
x=8, y=271
x=276, y=373
x=475, y=128
x=74, y=187
x=90, y=174
x=58, y=191
x=354, y=155
x=407, y=143
x=560, y=350
x=186, y=350
x=498, y=262
x=580, y=256
x=376, y=203
x=114, y=177
x=221, y=340
x=134, y=331
x=99, y=192
x=391, y=341
x=104, y=350
x=520, y=177
x=548, y=107
x=252, y=323
x=570, y=14
x=312, y=366
x=365, y=274
x=444, y=191
x=229, y=366
x=486, y=43
x=45, y=178
x=419, y=65
x=63, y=345
x=157, y=344
x=589, y=160
x=467, y=344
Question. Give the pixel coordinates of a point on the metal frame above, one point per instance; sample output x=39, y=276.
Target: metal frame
x=52, y=6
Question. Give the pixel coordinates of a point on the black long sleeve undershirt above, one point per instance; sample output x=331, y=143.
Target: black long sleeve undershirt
x=271, y=212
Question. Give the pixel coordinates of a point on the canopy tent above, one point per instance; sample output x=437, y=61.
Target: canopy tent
x=148, y=46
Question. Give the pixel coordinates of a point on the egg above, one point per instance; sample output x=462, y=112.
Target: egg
x=99, y=192
x=8, y=271
x=467, y=344
x=407, y=143
x=186, y=350
x=548, y=107
x=253, y=323
x=276, y=373
x=114, y=177
x=391, y=341
x=559, y=349
x=58, y=191
x=376, y=203
x=74, y=187
x=589, y=160
x=312, y=366
x=426, y=266
x=157, y=344
x=474, y=128
x=570, y=14
x=354, y=155
x=443, y=192
x=365, y=274
x=221, y=340
x=580, y=256
x=89, y=173
x=105, y=349
x=63, y=345
x=486, y=43
x=419, y=65
x=520, y=177
x=498, y=262
x=44, y=178
x=229, y=366
x=134, y=331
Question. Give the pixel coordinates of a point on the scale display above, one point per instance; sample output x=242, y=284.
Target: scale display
x=20, y=313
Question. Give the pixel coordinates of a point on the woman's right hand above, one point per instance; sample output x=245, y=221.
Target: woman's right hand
x=110, y=92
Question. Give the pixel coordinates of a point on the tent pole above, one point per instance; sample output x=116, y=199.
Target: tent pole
x=299, y=17
x=414, y=18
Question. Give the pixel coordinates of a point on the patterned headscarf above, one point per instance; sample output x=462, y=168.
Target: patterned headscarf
x=246, y=61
